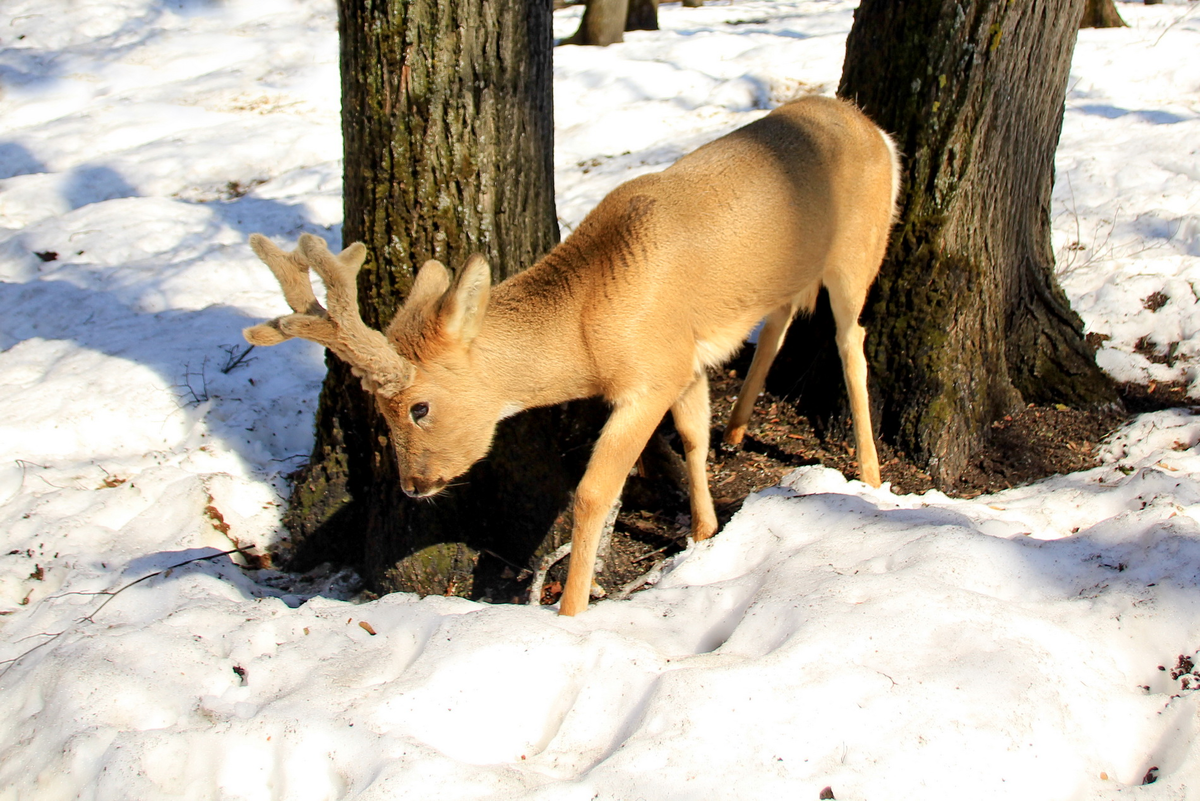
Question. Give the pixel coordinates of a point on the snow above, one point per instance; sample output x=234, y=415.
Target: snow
x=832, y=635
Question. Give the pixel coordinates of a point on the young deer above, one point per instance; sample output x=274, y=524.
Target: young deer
x=666, y=277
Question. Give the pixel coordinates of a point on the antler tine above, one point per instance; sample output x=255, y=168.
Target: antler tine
x=341, y=329
x=339, y=274
x=291, y=271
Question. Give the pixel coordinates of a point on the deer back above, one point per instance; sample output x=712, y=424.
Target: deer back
x=672, y=270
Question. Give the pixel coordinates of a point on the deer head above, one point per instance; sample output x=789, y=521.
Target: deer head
x=440, y=418
x=444, y=420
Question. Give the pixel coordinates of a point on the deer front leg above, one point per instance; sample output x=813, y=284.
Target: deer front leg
x=854, y=368
x=846, y=299
x=621, y=441
x=691, y=415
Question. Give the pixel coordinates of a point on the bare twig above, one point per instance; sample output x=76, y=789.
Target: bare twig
x=114, y=593
x=235, y=358
x=652, y=554
x=1180, y=19
x=90, y=618
x=522, y=572
x=198, y=395
x=24, y=463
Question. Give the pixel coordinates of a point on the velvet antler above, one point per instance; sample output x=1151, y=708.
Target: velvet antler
x=341, y=328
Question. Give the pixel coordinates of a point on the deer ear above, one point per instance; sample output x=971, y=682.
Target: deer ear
x=464, y=305
x=432, y=280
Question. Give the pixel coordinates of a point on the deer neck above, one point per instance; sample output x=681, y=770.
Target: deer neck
x=530, y=349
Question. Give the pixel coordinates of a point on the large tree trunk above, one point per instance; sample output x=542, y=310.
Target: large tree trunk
x=448, y=129
x=603, y=23
x=1102, y=14
x=967, y=321
x=642, y=15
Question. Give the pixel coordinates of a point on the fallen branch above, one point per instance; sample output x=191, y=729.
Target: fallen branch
x=539, y=575
x=550, y=560
x=652, y=554
x=651, y=576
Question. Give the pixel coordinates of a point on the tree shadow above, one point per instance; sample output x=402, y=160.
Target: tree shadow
x=30, y=67
x=255, y=215
x=1153, y=116
x=187, y=348
x=86, y=185
x=15, y=159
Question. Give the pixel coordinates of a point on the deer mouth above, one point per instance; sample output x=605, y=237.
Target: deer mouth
x=420, y=488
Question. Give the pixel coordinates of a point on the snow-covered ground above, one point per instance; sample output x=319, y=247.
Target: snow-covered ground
x=891, y=647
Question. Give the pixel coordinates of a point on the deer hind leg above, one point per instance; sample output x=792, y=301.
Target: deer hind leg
x=770, y=340
x=846, y=298
x=621, y=441
x=691, y=415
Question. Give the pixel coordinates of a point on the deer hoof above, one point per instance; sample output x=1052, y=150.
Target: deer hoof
x=733, y=438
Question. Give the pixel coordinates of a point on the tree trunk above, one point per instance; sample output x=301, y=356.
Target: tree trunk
x=448, y=134
x=966, y=321
x=642, y=15
x=1102, y=14
x=603, y=23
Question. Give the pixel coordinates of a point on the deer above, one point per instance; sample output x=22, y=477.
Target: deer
x=665, y=278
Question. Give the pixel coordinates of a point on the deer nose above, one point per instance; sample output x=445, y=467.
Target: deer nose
x=421, y=488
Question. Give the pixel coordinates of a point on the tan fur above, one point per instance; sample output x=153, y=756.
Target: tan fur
x=666, y=277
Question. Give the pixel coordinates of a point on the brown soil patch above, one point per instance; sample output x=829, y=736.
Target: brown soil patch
x=1025, y=447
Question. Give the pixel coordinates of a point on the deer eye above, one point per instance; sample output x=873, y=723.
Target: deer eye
x=418, y=411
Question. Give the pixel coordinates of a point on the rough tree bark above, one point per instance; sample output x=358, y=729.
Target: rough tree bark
x=967, y=321
x=448, y=131
x=1102, y=14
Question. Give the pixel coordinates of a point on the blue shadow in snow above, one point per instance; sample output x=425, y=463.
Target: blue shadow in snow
x=1153, y=117
x=94, y=184
x=170, y=342
x=15, y=159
